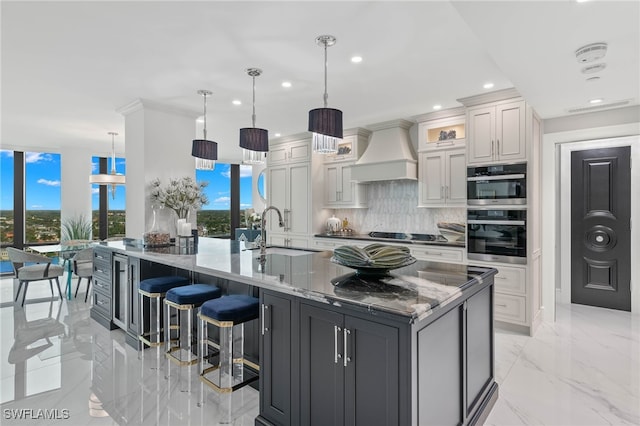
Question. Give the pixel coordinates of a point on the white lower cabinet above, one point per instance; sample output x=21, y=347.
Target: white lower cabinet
x=287, y=240
x=513, y=298
x=438, y=253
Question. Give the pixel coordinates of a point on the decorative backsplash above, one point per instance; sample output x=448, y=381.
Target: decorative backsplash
x=392, y=207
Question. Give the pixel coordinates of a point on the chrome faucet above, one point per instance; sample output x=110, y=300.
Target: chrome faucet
x=263, y=223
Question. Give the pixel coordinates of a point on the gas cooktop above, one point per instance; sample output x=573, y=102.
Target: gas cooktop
x=403, y=236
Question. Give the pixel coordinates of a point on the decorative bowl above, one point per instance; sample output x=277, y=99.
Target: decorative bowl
x=374, y=270
x=452, y=231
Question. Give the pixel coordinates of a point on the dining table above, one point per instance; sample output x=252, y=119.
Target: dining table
x=66, y=250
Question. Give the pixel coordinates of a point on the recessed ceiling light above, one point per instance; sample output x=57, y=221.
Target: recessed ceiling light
x=437, y=106
x=581, y=1
x=286, y=84
x=277, y=135
x=236, y=102
x=200, y=119
x=488, y=85
x=595, y=101
x=356, y=59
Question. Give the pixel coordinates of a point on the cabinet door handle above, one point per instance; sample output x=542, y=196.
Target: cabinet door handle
x=336, y=355
x=498, y=148
x=492, y=146
x=498, y=277
x=502, y=305
x=446, y=191
x=263, y=320
x=441, y=191
x=346, y=334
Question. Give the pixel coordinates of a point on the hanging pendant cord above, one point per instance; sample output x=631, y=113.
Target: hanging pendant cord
x=113, y=155
x=253, y=116
x=326, y=96
x=204, y=129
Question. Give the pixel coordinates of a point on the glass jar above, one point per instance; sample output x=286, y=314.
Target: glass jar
x=155, y=235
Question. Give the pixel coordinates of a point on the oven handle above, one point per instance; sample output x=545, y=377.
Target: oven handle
x=496, y=222
x=497, y=177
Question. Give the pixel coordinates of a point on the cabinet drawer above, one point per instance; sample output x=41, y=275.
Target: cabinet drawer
x=510, y=308
x=102, y=286
x=102, y=270
x=438, y=254
x=101, y=255
x=511, y=280
x=101, y=303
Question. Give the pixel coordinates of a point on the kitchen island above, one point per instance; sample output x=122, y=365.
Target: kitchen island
x=412, y=347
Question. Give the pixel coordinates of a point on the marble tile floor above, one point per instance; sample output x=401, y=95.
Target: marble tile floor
x=583, y=369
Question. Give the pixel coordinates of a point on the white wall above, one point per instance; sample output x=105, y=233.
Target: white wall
x=75, y=189
x=563, y=135
x=158, y=145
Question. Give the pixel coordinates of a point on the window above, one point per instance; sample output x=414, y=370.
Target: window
x=214, y=219
x=115, y=207
x=42, y=197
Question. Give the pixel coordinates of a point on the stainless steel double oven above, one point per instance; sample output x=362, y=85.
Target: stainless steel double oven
x=496, y=213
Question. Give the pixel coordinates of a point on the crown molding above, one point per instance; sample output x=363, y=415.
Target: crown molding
x=140, y=104
x=436, y=115
x=498, y=95
x=405, y=124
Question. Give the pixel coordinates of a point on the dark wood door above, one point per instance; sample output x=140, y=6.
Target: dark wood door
x=371, y=374
x=600, y=227
x=321, y=367
x=275, y=359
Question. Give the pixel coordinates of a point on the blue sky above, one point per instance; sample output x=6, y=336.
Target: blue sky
x=42, y=190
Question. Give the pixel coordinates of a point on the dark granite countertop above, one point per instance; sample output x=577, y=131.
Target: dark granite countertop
x=413, y=291
x=441, y=241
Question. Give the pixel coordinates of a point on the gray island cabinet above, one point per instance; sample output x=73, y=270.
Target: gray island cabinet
x=412, y=347
x=346, y=365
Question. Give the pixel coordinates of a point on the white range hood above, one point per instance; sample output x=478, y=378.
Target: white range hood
x=389, y=156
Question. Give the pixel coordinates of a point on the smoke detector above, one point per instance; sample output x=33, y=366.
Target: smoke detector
x=591, y=52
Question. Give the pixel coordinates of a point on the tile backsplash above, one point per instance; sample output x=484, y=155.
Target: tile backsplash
x=392, y=207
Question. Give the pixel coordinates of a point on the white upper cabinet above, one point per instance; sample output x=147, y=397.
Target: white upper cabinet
x=339, y=190
x=442, y=178
x=442, y=133
x=496, y=133
x=289, y=152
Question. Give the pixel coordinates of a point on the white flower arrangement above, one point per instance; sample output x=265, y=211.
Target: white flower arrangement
x=255, y=217
x=180, y=195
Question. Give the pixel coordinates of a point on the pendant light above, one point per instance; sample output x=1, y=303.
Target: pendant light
x=205, y=151
x=112, y=178
x=325, y=123
x=253, y=141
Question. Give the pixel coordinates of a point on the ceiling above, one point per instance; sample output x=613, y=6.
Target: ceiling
x=68, y=66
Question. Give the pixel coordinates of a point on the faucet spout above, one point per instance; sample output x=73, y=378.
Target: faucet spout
x=263, y=223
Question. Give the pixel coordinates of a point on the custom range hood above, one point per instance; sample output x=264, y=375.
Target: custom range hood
x=389, y=156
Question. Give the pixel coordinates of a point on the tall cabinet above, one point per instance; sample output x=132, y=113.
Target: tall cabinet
x=502, y=128
x=294, y=180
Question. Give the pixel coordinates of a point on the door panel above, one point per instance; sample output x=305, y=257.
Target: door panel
x=510, y=140
x=457, y=182
x=481, y=134
x=299, y=199
x=371, y=382
x=600, y=227
x=433, y=180
x=321, y=374
x=331, y=184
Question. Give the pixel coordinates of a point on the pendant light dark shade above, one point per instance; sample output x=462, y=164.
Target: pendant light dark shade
x=326, y=121
x=202, y=148
x=254, y=139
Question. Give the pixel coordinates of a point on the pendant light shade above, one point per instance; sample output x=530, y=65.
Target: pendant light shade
x=253, y=141
x=325, y=123
x=205, y=151
x=112, y=178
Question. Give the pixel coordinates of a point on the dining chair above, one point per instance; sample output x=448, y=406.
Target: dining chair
x=29, y=267
x=82, y=264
